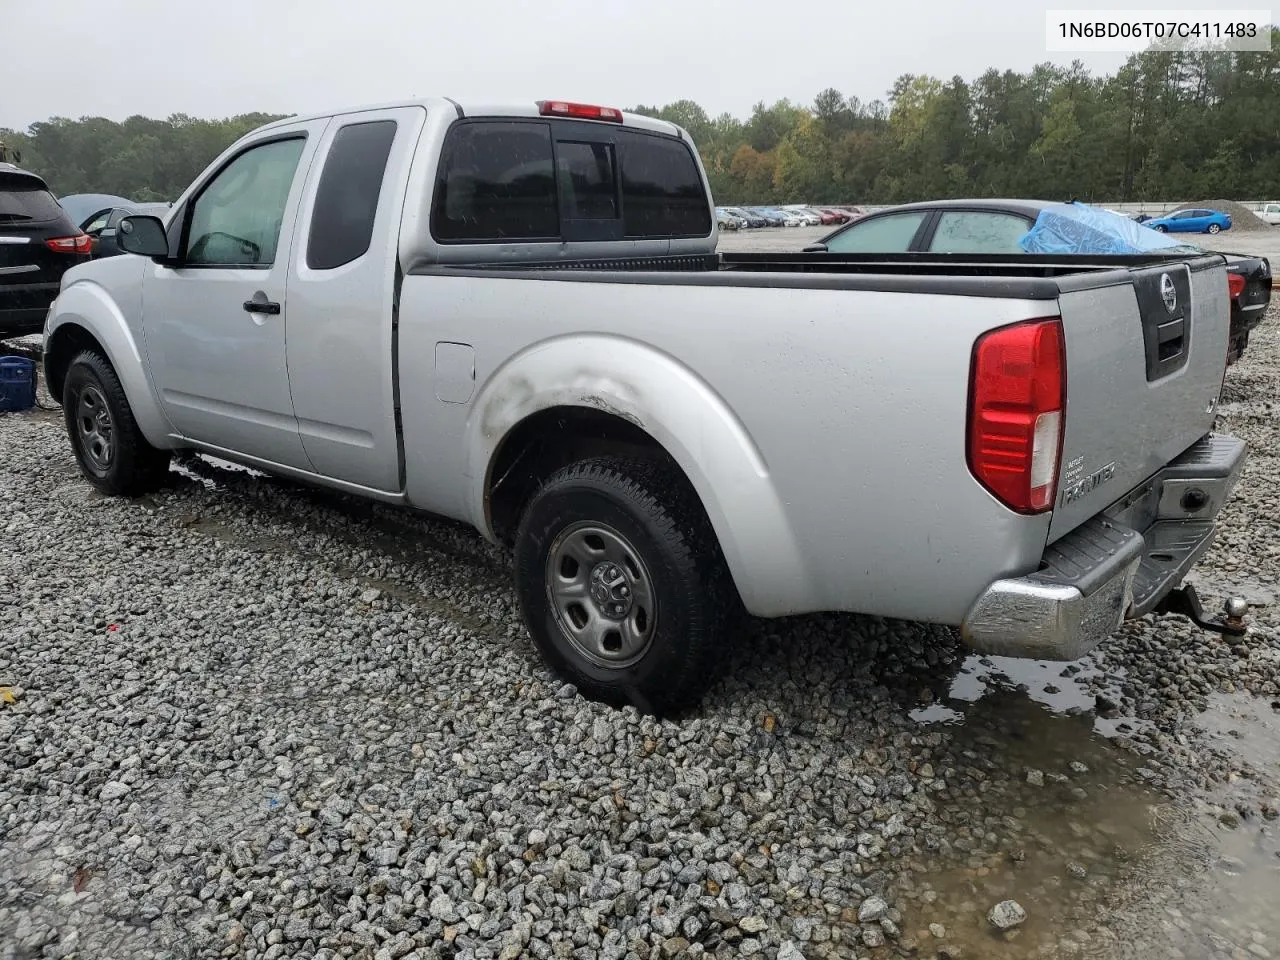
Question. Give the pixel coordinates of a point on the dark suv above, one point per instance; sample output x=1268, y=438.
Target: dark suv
x=38, y=242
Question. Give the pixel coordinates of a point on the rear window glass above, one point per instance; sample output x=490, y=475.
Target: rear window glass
x=662, y=194
x=347, y=197
x=587, y=180
x=20, y=202
x=496, y=183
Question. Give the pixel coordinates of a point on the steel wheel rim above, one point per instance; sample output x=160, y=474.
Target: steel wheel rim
x=601, y=594
x=95, y=428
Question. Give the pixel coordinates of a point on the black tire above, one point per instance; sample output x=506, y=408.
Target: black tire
x=120, y=461
x=651, y=508
x=1162, y=228
x=1213, y=228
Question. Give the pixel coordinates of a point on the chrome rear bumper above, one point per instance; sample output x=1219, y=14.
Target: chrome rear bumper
x=1116, y=566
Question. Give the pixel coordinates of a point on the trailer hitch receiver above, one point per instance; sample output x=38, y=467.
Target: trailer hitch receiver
x=1185, y=601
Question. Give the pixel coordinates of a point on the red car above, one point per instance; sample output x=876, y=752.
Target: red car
x=825, y=214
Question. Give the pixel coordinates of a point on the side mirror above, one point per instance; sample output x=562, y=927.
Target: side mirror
x=144, y=235
x=816, y=248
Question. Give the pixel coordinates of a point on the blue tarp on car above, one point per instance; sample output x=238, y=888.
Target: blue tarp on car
x=1077, y=228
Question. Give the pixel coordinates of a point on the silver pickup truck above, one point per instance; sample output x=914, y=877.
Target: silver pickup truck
x=515, y=316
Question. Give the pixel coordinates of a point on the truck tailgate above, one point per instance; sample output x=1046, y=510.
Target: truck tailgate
x=1145, y=359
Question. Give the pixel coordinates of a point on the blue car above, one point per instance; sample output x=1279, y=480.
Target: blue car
x=1191, y=221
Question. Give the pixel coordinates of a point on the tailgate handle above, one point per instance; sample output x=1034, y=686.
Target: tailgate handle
x=1170, y=339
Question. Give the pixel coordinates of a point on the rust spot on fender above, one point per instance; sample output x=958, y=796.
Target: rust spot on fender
x=604, y=405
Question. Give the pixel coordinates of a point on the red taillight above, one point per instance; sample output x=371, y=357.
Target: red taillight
x=1017, y=398
x=80, y=243
x=1235, y=284
x=578, y=111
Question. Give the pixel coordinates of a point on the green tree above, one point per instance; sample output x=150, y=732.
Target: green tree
x=1167, y=125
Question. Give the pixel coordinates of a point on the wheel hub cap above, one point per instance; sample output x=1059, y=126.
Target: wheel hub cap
x=97, y=434
x=601, y=594
x=611, y=590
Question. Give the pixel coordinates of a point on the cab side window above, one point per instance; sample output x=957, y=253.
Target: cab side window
x=347, y=195
x=236, y=220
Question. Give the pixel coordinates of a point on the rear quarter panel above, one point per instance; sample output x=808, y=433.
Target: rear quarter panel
x=854, y=403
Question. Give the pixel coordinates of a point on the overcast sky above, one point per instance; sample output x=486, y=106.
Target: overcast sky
x=215, y=58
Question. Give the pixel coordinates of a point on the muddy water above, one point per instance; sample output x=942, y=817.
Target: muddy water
x=1064, y=823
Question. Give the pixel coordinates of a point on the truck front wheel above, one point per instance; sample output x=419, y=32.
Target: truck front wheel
x=622, y=584
x=113, y=454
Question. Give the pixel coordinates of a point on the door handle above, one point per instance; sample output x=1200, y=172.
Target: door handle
x=262, y=306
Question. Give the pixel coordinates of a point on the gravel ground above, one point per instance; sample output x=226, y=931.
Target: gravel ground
x=254, y=721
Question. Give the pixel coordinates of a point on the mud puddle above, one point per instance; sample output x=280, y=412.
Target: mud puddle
x=1042, y=807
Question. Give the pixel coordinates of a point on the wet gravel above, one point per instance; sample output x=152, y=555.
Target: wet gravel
x=250, y=720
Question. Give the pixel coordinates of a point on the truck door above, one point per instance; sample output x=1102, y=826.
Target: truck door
x=340, y=333
x=214, y=322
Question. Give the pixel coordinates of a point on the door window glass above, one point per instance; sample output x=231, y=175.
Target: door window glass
x=892, y=234
x=236, y=220
x=98, y=223
x=972, y=231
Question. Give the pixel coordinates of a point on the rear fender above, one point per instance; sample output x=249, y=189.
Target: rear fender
x=654, y=392
x=85, y=307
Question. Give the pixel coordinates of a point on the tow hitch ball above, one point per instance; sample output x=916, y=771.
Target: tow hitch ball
x=1186, y=601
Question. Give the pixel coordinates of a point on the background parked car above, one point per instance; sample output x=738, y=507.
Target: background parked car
x=1198, y=220
x=101, y=225
x=38, y=243
x=789, y=219
x=753, y=220
x=80, y=206
x=772, y=218
x=1270, y=212
x=807, y=215
x=996, y=226
x=824, y=217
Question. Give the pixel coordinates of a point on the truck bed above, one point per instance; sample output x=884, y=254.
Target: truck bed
x=1030, y=277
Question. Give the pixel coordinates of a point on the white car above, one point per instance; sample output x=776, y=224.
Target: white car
x=804, y=214
x=1270, y=212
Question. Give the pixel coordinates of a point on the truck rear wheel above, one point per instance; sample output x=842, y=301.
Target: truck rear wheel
x=622, y=584
x=113, y=454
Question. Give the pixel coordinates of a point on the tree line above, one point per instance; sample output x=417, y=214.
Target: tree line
x=1167, y=126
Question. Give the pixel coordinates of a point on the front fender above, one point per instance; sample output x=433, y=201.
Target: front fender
x=87, y=307
x=682, y=413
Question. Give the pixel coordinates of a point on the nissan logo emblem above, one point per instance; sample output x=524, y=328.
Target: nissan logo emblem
x=1168, y=293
